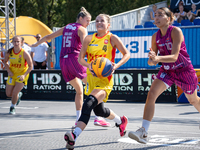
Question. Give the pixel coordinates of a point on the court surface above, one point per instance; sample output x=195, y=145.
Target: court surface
x=41, y=125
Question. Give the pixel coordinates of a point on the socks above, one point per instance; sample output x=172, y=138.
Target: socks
x=77, y=132
x=13, y=105
x=117, y=119
x=146, y=124
x=78, y=114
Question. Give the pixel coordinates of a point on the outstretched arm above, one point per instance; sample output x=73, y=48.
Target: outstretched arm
x=48, y=37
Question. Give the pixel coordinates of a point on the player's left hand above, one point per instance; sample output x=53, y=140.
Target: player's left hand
x=22, y=77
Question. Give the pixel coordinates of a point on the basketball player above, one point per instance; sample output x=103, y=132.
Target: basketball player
x=100, y=44
x=73, y=35
x=176, y=68
x=18, y=70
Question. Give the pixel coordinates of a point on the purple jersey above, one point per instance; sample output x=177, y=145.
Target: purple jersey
x=71, y=42
x=164, y=45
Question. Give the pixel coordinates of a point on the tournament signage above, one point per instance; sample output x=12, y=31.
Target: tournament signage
x=187, y=4
x=130, y=85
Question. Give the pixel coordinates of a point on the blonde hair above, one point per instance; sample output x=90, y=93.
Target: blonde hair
x=83, y=13
x=106, y=16
x=16, y=36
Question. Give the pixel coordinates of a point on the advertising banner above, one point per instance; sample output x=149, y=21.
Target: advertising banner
x=129, y=85
x=187, y=4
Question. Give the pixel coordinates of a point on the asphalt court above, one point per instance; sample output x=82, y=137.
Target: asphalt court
x=40, y=125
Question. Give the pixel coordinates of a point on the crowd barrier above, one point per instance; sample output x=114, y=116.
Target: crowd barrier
x=129, y=85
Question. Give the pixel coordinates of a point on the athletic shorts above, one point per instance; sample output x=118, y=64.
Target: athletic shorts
x=12, y=81
x=185, y=78
x=99, y=83
x=71, y=68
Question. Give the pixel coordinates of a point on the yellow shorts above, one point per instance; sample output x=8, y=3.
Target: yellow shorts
x=12, y=81
x=98, y=83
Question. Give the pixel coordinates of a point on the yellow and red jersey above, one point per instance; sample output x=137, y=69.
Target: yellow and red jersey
x=18, y=64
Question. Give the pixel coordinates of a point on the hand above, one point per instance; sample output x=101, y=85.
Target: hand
x=10, y=74
x=43, y=63
x=90, y=68
x=22, y=77
x=33, y=45
x=34, y=63
x=152, y=55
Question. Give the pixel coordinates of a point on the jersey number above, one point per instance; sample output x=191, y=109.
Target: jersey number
x=67, y=41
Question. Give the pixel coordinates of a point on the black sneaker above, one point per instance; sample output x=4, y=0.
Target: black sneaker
x=12, y=110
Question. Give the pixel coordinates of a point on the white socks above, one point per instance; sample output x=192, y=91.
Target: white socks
x=78, y=114
x=146, y=124
x=117, y=119
x=13, y=105
x=77, y=132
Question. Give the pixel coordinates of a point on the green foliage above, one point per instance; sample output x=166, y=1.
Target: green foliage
x=57, y=13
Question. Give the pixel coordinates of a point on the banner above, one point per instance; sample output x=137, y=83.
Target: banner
x=129, y=85
x=187, y=4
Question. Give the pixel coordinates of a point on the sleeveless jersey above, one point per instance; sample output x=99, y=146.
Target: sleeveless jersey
x=100, y=47
x=18, y=64
x=71, y=42
x=164, y=45
x=194, y=12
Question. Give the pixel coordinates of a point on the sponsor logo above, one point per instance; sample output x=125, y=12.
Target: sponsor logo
x=93, y=45
x=46, y=81
x=71, y=27
x=106, y=41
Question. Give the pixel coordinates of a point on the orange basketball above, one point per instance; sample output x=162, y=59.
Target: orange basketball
x=102, y=67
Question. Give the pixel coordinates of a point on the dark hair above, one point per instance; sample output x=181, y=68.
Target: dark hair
x=168, y=13
x=83, y=13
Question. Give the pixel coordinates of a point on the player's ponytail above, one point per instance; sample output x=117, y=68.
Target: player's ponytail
x=83, y=13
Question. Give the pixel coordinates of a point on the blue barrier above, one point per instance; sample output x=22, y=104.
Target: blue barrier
x=138, y=42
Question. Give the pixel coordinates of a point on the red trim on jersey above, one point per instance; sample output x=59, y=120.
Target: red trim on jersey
x=102, y=36
x=16, y=53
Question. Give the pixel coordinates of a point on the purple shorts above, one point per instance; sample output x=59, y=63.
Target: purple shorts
x=71, y=68
x=185, y=78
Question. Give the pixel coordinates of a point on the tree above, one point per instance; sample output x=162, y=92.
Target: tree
x=57, y=13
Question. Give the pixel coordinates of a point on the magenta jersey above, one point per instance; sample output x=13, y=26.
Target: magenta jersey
x=164, y=45
x=71, y=42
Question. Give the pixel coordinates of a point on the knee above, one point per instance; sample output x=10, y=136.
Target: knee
x=8, y=94
x=88, y=105
x=151, y=97
x=193, y=101
x=102, y=112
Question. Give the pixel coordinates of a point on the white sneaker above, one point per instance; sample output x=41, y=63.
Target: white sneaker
x=140, y=135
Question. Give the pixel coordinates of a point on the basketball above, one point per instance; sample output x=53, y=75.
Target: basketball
x=102, y=67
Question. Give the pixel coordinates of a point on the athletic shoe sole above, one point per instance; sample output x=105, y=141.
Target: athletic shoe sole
x=136, y=138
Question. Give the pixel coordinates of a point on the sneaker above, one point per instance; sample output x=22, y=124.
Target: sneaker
x=101, y=122
x=12, y=110
x=140, y=135
x=19, y=97
x=122, y=126
x=70, y=139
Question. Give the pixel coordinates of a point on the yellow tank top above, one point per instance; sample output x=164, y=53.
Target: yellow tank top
x=100, y=47
x=18, y=64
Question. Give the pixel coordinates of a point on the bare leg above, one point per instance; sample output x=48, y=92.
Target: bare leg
x=76, y=83
x=194, y=100
x=156, y=89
